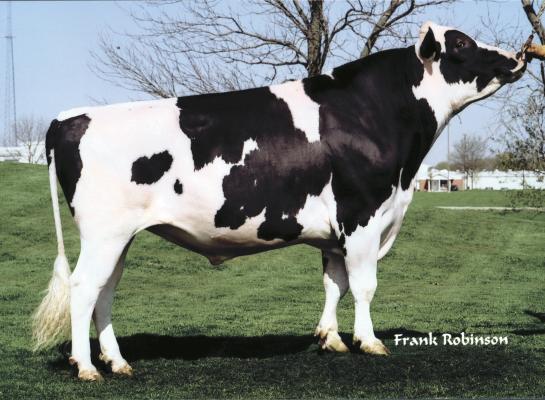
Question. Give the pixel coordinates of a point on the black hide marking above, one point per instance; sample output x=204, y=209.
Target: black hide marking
x=277, y=177
x=218, y=124
x=178, y=187
x=464, y=61
x=371, y=128
x=342, y=243
x=287, y=229
x=148, y=170
x=64, y=138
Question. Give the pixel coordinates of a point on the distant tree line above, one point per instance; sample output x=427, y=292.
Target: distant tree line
x=472, y=154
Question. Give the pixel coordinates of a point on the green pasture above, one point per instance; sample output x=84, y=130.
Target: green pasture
x=244, y=329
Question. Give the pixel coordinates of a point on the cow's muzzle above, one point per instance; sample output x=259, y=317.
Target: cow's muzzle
x=506, y=75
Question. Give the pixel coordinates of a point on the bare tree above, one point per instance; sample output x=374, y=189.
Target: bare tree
x=202, y=46
x=535, y=19
x=30, y=137
x=524, y=134
x=519, y=128
x=524, y=137
x=469, y=154
x=442, y=165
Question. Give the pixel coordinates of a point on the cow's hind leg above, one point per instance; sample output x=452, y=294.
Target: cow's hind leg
x=95, y=266
x=361, y=264
x=336, y=286
x=102, y=317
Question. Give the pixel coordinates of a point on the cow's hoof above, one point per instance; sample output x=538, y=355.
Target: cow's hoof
x=104, y=358
x=123, y=370
x=331, y=341
x=375, y=347
x=89, y=375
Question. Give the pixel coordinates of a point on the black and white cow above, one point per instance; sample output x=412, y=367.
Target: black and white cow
x=327, y=161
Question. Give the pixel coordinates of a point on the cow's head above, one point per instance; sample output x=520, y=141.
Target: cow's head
x=459, y=70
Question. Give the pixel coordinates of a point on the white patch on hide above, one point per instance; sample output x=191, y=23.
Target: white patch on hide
x=386, y=222
x=249, y=146
x=130, y=106
x=318, y=216
x=304, y=111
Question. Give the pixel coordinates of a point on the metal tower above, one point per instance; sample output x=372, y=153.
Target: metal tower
x=9, y=136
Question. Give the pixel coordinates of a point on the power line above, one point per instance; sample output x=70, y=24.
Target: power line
x=10, y=108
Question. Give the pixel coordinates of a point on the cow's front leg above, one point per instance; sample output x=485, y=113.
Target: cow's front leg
x=336, y=286
x=361, y=263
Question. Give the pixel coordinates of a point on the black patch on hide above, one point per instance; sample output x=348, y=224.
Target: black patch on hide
x=64, y=138
x=148, y=170
x=178, y=187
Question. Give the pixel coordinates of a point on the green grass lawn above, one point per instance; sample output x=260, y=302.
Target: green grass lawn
x=244, y=329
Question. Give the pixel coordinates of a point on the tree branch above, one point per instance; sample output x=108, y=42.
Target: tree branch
x=174, y=53
x=534, y=19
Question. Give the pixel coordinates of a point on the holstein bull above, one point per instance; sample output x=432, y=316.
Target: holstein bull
x=328, y=161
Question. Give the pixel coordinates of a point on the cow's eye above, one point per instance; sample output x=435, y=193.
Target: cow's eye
x=460, y=44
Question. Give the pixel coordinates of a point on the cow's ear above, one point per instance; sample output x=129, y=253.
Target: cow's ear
x=429, y=48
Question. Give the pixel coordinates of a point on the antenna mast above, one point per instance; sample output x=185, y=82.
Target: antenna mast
x=10, y=110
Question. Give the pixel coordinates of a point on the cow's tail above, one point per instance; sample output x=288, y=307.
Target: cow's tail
x=51, y=321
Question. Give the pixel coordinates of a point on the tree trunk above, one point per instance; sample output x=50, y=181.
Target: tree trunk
x=314, y=38
x=534, y=20
x=381, y=25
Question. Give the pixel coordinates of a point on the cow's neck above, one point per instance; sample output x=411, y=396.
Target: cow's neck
x=441, y=96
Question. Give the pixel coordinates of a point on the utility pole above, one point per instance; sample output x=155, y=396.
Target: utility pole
x=10, y=109
x=448, y=158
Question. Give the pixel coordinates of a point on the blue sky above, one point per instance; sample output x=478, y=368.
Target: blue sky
x=53, y=41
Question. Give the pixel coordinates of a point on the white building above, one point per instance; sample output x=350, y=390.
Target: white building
x=434, y=180
x=498, y=180
x=30, y=153
x=430, y=179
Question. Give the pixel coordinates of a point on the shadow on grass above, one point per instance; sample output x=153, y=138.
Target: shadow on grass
x=145, y=346
x=531, y=332
x=295, y=360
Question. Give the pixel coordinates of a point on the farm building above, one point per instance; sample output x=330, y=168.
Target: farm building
x=433, y=180
x=498, y=180
x=33, y=153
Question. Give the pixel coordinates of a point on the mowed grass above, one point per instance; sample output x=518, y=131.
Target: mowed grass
x=244, y=329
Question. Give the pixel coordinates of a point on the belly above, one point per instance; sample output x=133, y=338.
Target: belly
x=225, y=248
x=191, y=219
